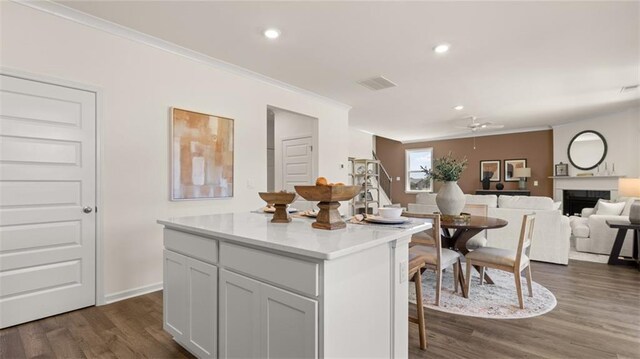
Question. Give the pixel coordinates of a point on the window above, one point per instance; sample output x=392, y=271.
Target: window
x=416, y=179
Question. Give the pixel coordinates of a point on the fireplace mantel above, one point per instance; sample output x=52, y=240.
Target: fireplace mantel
x=589, y=183
x=586, y=177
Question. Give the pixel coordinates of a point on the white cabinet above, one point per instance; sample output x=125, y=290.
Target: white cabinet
x=230, y=294
x=190, y=303
x=258, y=320
x=239, y=316
x=202, y=305
x=175, y=295
x=289, y=324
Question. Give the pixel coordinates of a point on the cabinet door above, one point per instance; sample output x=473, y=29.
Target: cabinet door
x=175, y=295
x=202, y=313
x=289, y=324
x=239, y=316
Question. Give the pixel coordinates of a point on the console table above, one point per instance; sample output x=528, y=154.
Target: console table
x=622, y=227
x=508, y=192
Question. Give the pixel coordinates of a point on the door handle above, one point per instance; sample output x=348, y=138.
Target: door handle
x=87, y=209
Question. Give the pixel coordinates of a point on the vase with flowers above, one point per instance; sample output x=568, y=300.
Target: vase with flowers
x=448, y=169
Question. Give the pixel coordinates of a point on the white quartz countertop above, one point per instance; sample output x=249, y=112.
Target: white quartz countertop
x=296, y=237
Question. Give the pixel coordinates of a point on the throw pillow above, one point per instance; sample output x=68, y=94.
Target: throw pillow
x=595, y=208
x=612, y=209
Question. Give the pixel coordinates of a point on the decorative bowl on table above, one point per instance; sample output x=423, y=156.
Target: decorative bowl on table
x=280, y=200
x=329, y=198
x=390, y=212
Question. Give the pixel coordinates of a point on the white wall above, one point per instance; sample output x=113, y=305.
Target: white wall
x=360, y=144
x=289, y=125
x=621, y=131
x=139, y=84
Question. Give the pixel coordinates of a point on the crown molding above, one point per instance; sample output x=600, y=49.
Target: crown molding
x=480, y=134
x=82, y=18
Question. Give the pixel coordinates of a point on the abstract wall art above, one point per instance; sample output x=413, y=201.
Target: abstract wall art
x=201, y=156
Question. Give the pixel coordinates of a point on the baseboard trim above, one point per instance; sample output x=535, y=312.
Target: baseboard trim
x=130, y=293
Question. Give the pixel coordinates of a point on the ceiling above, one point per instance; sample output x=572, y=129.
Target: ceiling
x=522, y=64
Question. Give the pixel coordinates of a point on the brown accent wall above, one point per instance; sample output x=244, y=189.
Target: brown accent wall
x=536, y=147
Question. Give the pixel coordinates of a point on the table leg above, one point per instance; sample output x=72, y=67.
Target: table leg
x=614, y=258
x=486, y=276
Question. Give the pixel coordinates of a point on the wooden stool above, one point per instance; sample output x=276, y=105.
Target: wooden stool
x=416, y=263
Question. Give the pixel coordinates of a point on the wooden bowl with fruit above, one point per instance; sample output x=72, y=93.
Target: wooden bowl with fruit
x=329, y=196
x=280, y=200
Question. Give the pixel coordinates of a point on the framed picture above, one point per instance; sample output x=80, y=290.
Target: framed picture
x=562, y=169
x=491, y=169
x=509, y=168
x=201, y=156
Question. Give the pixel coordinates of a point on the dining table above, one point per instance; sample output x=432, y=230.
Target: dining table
x=456, y=234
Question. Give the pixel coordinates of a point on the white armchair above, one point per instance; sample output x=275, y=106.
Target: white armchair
x=593, y=235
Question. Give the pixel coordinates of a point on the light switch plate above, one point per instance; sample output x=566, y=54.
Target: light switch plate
x=398, y=179
x=535, y=183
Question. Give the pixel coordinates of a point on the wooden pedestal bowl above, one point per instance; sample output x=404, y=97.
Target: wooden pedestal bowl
x=329, y=198
x=280, y=200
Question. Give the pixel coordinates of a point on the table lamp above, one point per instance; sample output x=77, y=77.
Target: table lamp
x=523, y=174
x=630, y=187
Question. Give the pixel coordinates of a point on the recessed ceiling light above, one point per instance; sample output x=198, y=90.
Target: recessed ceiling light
x=442, y=48
x=271, y=33
x=458, y=108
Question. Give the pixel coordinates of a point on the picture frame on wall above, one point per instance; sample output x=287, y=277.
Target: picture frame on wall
x=491, y=169
x=201, y=156
x=510, y=167
x=562, y=169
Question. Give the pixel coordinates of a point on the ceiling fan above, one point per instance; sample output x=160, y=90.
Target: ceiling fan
x=476, y=125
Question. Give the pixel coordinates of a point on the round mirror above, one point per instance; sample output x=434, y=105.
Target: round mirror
x=587, y=150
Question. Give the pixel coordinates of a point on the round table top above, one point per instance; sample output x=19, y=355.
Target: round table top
x=476, y=222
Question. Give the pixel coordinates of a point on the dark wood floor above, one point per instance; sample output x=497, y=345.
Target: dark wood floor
x=598, y=316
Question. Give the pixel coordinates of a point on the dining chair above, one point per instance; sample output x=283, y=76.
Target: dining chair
x=416, y=263
x=480, y=239
x=437, y=258
x=506, y=259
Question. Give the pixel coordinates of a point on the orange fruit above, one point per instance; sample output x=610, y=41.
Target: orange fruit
x=321, y=181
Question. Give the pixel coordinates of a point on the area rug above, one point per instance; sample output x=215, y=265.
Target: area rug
x=496, y=301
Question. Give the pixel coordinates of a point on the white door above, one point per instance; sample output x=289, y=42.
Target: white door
x=47, y=177
x=297, y=162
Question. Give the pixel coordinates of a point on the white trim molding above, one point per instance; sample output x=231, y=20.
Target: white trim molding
x=134, y=35
x=480, y=134
x=130, y=293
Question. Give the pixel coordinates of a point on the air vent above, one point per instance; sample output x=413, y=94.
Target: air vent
x=629, y=88
x=377, y=83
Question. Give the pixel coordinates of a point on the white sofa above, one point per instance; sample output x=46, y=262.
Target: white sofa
x=592, y=234
x=551, y=233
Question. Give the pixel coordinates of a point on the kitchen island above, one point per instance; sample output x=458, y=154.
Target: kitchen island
x=238, y=286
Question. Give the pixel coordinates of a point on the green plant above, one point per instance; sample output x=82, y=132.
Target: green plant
x=446, y=168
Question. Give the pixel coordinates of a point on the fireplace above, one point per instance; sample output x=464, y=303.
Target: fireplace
x=573, y=201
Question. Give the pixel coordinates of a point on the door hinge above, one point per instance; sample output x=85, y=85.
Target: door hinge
x=311, y=147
